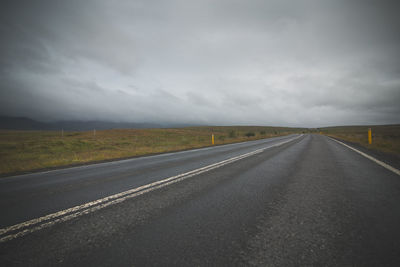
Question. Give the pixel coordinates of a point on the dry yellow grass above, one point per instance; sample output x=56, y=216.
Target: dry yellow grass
x=22, y=151
x=385, y=138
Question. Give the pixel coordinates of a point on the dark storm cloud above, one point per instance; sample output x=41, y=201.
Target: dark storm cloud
x=306, y=63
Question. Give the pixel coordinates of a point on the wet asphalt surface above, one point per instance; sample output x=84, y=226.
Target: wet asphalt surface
x=34, y=195
x=310, y=202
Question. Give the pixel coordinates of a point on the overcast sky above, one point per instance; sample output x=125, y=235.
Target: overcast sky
x=289, y=63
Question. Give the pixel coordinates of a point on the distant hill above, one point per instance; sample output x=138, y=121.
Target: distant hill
x=22, y=123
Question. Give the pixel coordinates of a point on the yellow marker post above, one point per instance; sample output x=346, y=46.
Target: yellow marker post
x=212, y=138
x=369, y=136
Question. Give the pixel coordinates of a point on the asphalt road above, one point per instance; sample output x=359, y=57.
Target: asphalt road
x=295, y=201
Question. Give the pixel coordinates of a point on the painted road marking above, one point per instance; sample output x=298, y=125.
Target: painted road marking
x=95, y=165
x=36, y=224
x=383, y=164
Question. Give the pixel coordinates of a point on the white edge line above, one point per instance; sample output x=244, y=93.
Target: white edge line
x=112, y=162
x=89, y=207
x=383, y=164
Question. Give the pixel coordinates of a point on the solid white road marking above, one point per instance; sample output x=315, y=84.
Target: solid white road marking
x=383, y=164
x=139, y=158
x=33, y=225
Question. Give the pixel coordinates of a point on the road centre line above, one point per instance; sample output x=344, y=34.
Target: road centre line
x=383, y=164
x=113, y=162
x=21, y=229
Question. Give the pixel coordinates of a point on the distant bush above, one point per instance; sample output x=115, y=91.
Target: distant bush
x=262, y=132
x=221, y=137
x=249, y=134
x=232, y=134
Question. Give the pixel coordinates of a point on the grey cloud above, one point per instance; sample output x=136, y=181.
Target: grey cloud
x=305, y=63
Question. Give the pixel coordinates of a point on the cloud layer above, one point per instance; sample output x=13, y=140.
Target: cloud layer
x=297, y=63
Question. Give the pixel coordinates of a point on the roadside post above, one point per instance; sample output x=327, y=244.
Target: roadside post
x=369, y=136
x=212, y=138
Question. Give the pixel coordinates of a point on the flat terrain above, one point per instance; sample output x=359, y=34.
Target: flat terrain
x=31, y=150
x=298, y=200
x=385, y=138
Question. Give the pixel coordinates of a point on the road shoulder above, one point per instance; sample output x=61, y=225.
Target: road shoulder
x=390, y=159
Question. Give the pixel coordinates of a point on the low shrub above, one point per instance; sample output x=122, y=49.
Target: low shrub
x=249, y=134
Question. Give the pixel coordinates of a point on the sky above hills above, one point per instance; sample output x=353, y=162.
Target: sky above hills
x=291, y=63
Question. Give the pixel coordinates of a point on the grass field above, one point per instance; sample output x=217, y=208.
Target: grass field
x=22, y=151
x=385, y=138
